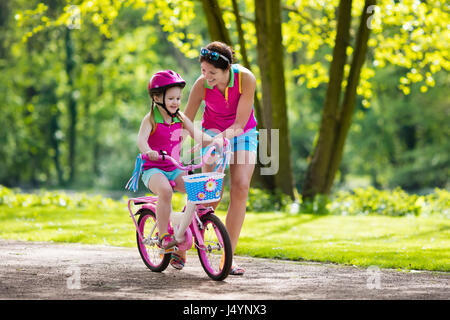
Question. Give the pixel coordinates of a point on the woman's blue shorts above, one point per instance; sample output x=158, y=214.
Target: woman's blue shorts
x=247, y=141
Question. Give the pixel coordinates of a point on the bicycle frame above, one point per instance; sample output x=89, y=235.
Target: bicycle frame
x=185, y=225
x=193, y=229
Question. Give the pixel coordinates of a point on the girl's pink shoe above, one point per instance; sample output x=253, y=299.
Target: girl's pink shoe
x=166, y=241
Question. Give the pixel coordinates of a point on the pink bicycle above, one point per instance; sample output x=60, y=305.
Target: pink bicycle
x=196, y=222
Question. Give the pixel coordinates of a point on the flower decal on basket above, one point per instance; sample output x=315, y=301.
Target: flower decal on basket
x=218, y=194
x=211, y=185
x=201, y=196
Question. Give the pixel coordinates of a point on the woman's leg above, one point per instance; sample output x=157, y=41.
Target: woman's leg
x=240, y=177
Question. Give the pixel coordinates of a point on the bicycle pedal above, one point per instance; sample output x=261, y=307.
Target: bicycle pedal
x=170, y=250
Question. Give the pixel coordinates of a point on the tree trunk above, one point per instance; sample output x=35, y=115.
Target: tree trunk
x=270, y=61
x=261, y=26
x=54, y=127
x=218, y=31
x=245, y=62
x=4, y=14
x=316, y=172
x=348, y=105
x=261, y=181
x=216, y=25
x=72, y=105
x=336, y=117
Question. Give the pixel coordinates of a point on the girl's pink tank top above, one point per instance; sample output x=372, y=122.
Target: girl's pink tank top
x=220, y=111
x=166, y=137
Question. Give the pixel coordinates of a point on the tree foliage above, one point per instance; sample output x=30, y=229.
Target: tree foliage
x=410, y=34
x=400, y=112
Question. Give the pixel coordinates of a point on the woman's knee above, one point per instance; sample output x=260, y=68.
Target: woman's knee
x=240, y=187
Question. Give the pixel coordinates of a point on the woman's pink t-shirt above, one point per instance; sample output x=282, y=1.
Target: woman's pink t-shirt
x=220, y=111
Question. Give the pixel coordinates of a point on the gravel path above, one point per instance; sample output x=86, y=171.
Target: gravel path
x=37, y=270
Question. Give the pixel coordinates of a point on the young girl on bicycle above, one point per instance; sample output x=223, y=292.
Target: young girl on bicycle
x=162, y=131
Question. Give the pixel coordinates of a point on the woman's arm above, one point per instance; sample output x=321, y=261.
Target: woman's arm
x=196, y=97
x=245, y=104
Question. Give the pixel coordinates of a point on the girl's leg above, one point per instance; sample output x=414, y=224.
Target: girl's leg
x=159, y=184
x=240, y=177
x=179, y=183
x=179, y=186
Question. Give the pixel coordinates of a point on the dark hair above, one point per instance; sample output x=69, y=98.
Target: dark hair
x=223, y=49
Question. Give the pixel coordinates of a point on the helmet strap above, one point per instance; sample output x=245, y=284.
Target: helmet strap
x=163, y=105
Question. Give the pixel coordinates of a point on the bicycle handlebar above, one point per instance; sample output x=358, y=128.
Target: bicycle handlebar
x=189, y=167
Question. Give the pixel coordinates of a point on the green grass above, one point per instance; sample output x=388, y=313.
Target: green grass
x=387, y=242
x=82, y=225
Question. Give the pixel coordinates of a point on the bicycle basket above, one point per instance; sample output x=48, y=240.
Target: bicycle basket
x=204, y=187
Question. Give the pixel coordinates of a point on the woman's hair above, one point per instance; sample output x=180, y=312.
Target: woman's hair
x=220, y=48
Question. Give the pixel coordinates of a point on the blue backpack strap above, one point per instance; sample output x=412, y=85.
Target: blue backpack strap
x=133, y=183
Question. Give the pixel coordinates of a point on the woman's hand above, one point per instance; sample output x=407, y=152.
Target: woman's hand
x=218, y=143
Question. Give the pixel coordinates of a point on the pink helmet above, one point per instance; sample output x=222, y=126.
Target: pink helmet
x=163, y=80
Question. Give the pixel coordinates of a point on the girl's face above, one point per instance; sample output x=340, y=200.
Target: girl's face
x=173, y=98
x=214, y=75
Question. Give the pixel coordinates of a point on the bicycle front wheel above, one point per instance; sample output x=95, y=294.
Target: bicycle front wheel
x=216, y=255
x=148, y=248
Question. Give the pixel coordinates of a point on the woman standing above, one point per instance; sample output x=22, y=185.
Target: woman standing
x=228, y=91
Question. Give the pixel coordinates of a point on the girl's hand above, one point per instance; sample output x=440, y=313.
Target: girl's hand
x=153, y=155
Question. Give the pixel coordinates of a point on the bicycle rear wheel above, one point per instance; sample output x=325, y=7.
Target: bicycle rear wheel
x=149, y=249
x=216, y=255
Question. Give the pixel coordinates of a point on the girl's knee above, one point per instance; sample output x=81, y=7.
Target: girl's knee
x=165, y=193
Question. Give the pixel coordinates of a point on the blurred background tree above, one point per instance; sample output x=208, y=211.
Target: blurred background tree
x=72, y=98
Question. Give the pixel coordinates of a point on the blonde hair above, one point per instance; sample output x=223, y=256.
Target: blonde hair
x=152, y=113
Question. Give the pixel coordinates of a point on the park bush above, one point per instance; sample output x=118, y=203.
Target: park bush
x=260, y=200
x=42, y=198
x=360, y=201
x=397, y=202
